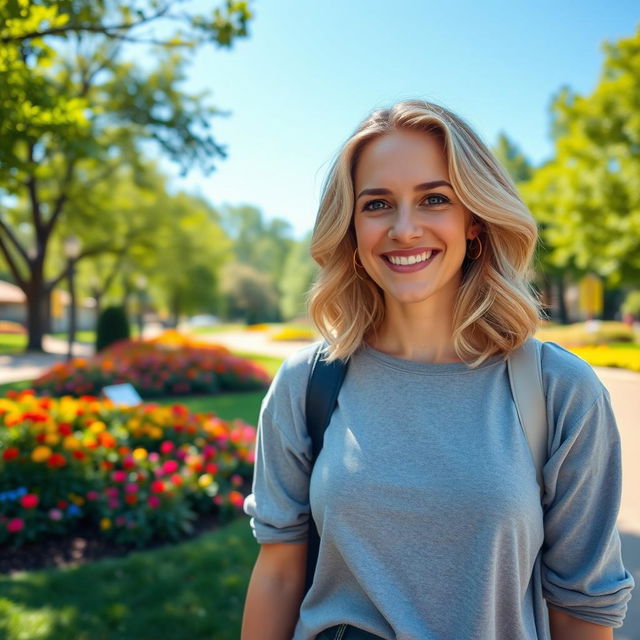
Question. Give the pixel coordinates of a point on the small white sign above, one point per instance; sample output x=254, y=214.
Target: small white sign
x=123, y=394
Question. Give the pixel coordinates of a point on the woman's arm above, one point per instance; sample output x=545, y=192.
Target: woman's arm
x=566, y=627
x=275, y=592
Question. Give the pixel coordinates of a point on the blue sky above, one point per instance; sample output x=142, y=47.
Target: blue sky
x=310, y=71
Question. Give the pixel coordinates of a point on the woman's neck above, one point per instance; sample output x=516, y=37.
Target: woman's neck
x=419, y=332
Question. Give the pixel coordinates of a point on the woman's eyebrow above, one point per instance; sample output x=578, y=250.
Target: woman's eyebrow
x=420, y=187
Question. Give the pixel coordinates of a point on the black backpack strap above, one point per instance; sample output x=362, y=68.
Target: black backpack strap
x=325, y=380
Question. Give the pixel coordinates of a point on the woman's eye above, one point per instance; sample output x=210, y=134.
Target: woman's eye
x=436, y=198
x=372, y=205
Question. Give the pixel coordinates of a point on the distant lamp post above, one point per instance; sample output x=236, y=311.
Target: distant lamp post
x=141, y=286
x=71, y=248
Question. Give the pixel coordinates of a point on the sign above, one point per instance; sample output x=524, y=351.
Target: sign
x=591, y=294
x=123, y=394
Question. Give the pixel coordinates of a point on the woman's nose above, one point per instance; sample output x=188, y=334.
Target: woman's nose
x=404, y=225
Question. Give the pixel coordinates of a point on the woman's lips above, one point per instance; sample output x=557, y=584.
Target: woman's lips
x=409, y=268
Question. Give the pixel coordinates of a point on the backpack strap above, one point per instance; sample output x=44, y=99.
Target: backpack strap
x=325, y=380
x=525, y=377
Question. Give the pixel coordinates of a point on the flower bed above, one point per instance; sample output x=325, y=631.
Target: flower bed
x=138, y=474
x=603, y=356
x=155, y=368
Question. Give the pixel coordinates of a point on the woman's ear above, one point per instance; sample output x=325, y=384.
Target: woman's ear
x=474, y=228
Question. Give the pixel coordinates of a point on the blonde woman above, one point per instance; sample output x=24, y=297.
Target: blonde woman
x=431, y=521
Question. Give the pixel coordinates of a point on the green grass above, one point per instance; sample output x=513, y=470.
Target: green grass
x=270, y=363
x=193, y=590
x=11, y=343
x=245, y=405
x=217, y=328
x=15, y=386
x=81, y=336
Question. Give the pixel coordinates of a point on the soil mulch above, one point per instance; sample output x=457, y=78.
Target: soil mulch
x=85, y=544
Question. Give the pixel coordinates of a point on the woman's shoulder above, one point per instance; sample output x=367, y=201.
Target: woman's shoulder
x=567, y=377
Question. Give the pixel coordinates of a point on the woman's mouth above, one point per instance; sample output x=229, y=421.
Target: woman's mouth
x=409, y=263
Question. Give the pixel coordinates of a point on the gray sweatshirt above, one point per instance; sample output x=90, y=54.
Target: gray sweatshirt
x=426, y=500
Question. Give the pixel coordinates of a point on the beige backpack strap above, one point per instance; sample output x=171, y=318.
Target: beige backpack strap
x=525, y=377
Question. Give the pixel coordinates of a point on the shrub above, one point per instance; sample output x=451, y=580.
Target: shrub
x=136, y=474
x=631, y=304
x=113, y=325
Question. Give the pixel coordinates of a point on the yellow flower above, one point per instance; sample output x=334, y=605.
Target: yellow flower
x=52, y=438
x=41, y=453
x=105, y=523
x=78, y=500
x=155, y=432
x=71, y=442
x=205, y=480
x=97, y=427
x=140, y=453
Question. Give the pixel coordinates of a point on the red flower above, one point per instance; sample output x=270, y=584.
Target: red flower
x=62, y=504
x=15, y=525
x=64, y=429
x=177, y=479
x=167, y=446
x=119, y=476
x=211, y=467
x=29, y=501
x=157, y=486
x=92, y=495
x=41, y=437
x=131, y=498
x=170, y=466
x=128, y=462
x=56, y=460
x=79, y=455
x=153, y=501
x=107, y=465
x=10, y=453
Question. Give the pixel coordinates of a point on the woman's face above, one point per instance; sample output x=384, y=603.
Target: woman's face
x=411, y=228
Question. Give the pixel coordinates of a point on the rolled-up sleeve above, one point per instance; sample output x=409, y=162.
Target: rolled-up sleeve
x=279, y=501
x=582, y=570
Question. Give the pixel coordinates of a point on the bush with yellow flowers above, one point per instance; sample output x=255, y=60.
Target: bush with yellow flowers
x=137, y=474
x=604, y=356
x=170, y=366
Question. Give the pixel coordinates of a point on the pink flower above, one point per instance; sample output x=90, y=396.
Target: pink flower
x=119, y=476
x=181, y=454
x=29, y=501
x=208, y=451
x=128, y=462
x=153, y=502
x=111, y=492
x=217, y=499
x=131, y=487
x=114, y=503
x=167, y=446
x=154, y=456
x=92, y=495
x=170, y=466
x=55, y=514
x=15, y=525
x=236, y=480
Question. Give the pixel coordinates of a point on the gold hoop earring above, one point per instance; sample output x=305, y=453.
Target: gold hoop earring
x=471, y=254
x=356, y=265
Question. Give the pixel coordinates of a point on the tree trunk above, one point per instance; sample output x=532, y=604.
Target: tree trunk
x=611, y=304
x=175, y=310
x=36, y=295
x=563, y=314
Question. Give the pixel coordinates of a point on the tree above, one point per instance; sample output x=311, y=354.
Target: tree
x=297, y=277
x=587, y=196
x=71, y=102
x=262, y=244
x=250, y=295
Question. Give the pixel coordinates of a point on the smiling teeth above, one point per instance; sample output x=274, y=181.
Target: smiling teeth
x=421, y=257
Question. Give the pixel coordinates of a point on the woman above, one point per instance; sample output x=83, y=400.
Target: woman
x=431, y=521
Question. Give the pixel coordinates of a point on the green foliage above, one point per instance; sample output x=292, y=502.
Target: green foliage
x=588, y=196
x=512, y=159
x=631, y=304
x=249, y=293
x=298, y=275
x=113, y=325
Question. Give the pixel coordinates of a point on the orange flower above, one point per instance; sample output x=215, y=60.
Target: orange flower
x=41, y=453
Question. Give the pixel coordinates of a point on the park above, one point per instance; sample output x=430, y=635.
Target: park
x=142, y=319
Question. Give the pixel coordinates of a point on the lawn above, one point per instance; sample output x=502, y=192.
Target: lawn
x=11, y=343
x=192, y=590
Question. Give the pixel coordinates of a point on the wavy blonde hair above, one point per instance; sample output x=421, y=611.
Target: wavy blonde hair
x=495, y=309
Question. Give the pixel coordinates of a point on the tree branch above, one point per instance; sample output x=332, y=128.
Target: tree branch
x=87, y=28
x=62, y=197
x=22, y=283
x=6, y=229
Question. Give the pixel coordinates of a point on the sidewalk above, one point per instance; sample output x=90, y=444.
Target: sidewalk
x=27, y=366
